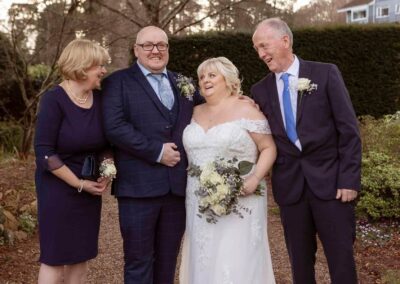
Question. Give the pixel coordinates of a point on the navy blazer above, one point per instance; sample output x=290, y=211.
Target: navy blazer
x=328, y=131
x=137, y=124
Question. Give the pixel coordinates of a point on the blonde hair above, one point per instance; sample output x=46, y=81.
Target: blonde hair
x=78, y=56
x=224, y=66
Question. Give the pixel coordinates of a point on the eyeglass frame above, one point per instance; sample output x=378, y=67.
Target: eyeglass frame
x=153, y=45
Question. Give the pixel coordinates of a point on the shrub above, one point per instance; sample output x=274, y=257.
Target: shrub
x=380, y=181
x=27, y=223
x=10, y=137
x=381, y=135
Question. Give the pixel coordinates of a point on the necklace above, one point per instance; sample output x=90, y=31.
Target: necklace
x=79, y=100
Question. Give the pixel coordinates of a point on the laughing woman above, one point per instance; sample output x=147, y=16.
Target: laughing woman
x=68, y=129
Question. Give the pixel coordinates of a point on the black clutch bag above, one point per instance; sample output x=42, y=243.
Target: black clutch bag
x=90, y=169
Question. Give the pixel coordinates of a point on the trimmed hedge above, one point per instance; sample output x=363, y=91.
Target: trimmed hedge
x=367, y=55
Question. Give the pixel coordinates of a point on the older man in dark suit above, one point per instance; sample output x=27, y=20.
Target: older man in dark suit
x=316, y=175
x=145, y=114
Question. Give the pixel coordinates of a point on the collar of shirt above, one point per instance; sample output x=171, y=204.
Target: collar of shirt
x=293, y=70
x=151, y=79
x=147, y=72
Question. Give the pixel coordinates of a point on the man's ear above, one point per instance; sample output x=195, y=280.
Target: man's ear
x=286, y=41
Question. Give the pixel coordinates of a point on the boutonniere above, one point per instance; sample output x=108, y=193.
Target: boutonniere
x=304, y=86
x=186, y=86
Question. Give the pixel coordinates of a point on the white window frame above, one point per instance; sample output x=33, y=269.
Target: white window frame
x=379, y=12
x=359, y=19
x=397, y=9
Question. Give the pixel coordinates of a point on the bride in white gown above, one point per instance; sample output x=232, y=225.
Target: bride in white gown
x=234, y=250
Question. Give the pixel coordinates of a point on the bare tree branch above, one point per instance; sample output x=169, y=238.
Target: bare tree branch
x=172, y=13
x=116, y=11
x=209, y=15
x=135, y=11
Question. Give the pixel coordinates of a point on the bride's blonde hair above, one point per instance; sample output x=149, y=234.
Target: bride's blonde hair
x=224, y=66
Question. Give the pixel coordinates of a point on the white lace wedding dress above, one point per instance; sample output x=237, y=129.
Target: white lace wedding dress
x=234, y=250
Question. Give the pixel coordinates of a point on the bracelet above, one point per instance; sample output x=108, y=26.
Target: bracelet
x=82, y=181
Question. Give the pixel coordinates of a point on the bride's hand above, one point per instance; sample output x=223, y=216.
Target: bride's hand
x=250, y=185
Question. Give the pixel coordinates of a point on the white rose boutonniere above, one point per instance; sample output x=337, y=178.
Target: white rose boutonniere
x=304, y=86
x=186, y=86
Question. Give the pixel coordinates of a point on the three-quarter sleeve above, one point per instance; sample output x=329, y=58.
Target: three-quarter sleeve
x=48, y=124
x=256, y=126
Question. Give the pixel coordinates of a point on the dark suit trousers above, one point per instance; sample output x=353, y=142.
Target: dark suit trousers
x=152, y=230
x=334, y=222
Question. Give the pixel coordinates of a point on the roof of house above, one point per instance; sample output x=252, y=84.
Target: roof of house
x=355, y=3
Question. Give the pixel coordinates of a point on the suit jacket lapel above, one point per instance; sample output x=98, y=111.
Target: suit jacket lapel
x=275, y=105
x=142, y=80
x=304, y=72
x=177, y=95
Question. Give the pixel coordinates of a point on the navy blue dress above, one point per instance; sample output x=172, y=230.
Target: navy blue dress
x=69, y=221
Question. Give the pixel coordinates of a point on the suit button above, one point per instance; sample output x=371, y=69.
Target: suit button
x=168, y=126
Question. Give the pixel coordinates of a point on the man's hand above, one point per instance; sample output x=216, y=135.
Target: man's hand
x=170, y=156
x=249, y=100
x=346, y=195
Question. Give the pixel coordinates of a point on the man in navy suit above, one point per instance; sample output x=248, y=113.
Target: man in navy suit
x=144, y=117
x=316, y=175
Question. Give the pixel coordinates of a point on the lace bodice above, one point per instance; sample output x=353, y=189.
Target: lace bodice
x=229, y=139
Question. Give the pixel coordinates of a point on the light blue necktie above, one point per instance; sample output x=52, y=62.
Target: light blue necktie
x=287, y=107
x=164, y=91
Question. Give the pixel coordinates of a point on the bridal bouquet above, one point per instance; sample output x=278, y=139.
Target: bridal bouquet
x=220, y=187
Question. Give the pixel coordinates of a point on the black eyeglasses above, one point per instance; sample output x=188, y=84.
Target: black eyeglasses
x=161, y=46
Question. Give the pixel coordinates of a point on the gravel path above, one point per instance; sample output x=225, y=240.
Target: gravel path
x=18, y=265
x=108, y=266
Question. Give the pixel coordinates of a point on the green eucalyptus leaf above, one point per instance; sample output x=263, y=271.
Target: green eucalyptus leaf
x=245, y=167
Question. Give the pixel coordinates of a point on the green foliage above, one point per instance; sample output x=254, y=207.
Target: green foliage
x=10, y=137
x=381, y=135
x=38, y=71
x=27, y=223
x=367, y=55
x=380, y=181
x=380, y=194
x=37, y=74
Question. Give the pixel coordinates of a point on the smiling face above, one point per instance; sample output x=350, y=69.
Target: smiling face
x=94, y=75
x=154, y=60
x=212, y=83
x=273, y=48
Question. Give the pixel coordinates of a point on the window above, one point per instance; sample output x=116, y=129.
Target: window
x=382, y=12
x=397, y=9
x=359, y=15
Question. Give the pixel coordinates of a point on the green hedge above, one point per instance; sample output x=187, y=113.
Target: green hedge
x=367, y=55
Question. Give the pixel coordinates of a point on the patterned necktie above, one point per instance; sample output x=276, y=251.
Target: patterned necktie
x=164, y=91
x=287, y=108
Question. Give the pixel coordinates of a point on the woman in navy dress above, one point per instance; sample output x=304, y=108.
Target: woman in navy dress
x=69, y=128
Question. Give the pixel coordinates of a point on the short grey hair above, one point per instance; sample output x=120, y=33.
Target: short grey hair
x=278, y=25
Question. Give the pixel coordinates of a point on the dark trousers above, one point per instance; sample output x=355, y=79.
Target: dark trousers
x=152, y=230
x=334, y=222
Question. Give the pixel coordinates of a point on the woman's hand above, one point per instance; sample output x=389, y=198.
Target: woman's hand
x=105, y=180
x=95, y=188
x=250, y=185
